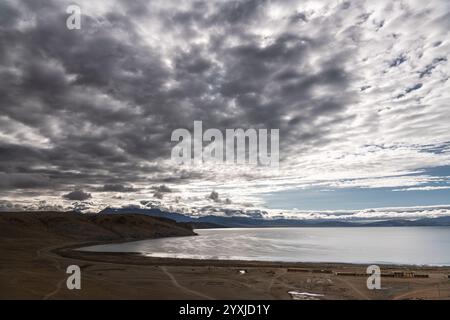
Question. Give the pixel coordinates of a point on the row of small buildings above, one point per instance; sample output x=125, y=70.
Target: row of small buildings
x=395, y=274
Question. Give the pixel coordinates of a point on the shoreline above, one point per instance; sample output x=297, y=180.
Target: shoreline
x=213, y=261
x=246, y=280
x=137, y=258
x=135, y=276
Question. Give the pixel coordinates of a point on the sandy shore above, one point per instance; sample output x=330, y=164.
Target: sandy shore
x=38, y=272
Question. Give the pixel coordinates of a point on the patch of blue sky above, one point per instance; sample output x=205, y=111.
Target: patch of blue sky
x=425, y=194
x=354, y=198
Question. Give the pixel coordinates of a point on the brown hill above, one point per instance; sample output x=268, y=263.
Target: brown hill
x=31, y=266
x=88, y=227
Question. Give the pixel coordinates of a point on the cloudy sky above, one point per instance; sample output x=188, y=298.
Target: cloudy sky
x=359, y=90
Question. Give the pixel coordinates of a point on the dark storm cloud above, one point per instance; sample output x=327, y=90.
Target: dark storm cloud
x=117, y=188
x=8, y=14
x=159, y=191
x=103, y=100
x=162, y=188
x=77, y=195
x=10, y=181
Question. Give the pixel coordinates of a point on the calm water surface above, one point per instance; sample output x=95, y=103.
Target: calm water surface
x=403, y=245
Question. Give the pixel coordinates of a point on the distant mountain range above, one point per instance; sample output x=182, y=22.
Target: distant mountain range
x=211, y=221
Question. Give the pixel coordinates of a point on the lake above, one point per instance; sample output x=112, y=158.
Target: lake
x=382, y=245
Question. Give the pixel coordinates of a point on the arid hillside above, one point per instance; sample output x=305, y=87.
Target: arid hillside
x=95, y=227
x=31, y=270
